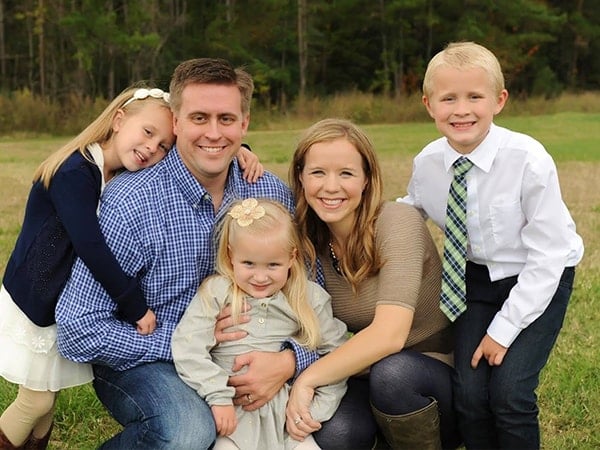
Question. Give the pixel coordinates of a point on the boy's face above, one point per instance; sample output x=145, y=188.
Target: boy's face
x=210, y=127
x=463, y=104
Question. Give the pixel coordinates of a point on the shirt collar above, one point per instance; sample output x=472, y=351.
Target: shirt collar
x=182, y=177
x=98, y=156
x=193, y=191
x=484, y=154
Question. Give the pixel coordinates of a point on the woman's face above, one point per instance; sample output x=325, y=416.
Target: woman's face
x=333, y=179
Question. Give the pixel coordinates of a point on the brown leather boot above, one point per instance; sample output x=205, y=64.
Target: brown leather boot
x=34, y=443
x=5, y=444
x=417, y=430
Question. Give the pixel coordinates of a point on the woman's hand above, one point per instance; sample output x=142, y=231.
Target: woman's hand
x=298, y=421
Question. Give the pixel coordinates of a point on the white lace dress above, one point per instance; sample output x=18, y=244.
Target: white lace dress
x=29, y=354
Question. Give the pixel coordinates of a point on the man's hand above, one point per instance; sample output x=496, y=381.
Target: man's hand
x=225, y=321
x=490, y=350
x=267, y=373
x=147, y=324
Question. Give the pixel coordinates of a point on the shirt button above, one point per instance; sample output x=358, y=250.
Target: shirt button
x=263, y=304
x=261, y=320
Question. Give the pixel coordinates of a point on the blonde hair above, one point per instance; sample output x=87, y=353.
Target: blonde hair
x=361, y=258
x=100, y=131
x=210, y=71
x=461, y=56
x=276, y=221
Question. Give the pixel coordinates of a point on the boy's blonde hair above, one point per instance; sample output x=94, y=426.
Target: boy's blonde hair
x=461, y=56
x=276, y=222
x=99, y=131
x=361, y=259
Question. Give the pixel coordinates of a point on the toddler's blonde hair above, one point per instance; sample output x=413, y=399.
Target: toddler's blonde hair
x=277, y=222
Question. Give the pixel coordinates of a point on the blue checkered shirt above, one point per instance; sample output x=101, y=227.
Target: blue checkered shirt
x=159, y=223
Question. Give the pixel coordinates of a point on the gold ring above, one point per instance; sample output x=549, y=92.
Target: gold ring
x=249, y=398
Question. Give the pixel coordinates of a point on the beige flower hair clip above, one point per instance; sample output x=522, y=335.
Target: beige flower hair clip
x=247, y=212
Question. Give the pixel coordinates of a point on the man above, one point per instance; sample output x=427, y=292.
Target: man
x=159, y=223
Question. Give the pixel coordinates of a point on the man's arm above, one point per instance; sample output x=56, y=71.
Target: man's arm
x=303, y=357
x=267, y=373
x=88, y=330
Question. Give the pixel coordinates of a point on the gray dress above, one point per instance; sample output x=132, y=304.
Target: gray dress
x=205, y=366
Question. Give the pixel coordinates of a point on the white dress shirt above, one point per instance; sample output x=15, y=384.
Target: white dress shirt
x=517, y=222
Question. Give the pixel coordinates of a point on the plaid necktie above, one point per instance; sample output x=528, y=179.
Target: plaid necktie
x=453, y=298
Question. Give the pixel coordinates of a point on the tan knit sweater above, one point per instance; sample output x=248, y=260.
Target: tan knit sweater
x=410, y=277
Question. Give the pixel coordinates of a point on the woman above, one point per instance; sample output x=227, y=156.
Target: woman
x=383, y=272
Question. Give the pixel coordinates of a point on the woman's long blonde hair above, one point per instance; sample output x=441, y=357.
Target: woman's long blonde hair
x=361, y=258
x=277, y=221
x=100, y=131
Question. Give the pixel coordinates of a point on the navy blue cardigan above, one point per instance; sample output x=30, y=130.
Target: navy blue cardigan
x=61, y=223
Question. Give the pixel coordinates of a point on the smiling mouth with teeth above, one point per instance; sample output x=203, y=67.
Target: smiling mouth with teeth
x=140, y=156
x=211, y=149
x=331, y=202
x=462, y=124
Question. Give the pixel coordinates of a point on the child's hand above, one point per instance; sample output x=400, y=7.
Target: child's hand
x=248, y=161
x=147, y=324
x=490, y=350
x=225, y=419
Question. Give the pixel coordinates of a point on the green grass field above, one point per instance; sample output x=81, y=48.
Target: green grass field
x=569, y=392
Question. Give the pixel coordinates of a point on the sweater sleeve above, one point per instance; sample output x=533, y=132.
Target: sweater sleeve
x=75, y=194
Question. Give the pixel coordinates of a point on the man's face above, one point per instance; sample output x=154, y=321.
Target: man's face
x=210, y=127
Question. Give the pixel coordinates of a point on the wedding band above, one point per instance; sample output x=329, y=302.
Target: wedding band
x=297, y=420
x=249, y=397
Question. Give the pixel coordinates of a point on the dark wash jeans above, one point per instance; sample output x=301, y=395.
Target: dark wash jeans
x=497, y=406
x=156, y=408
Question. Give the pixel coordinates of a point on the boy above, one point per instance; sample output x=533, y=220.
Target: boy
x=522, y=247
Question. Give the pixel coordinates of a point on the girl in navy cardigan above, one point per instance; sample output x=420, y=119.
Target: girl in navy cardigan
x=132, y=133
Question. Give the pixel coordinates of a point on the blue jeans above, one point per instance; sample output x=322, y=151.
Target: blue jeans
x=399, y=384
x=156, y=408
x=497, y=406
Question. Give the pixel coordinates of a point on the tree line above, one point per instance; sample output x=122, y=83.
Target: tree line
x=293, y=48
